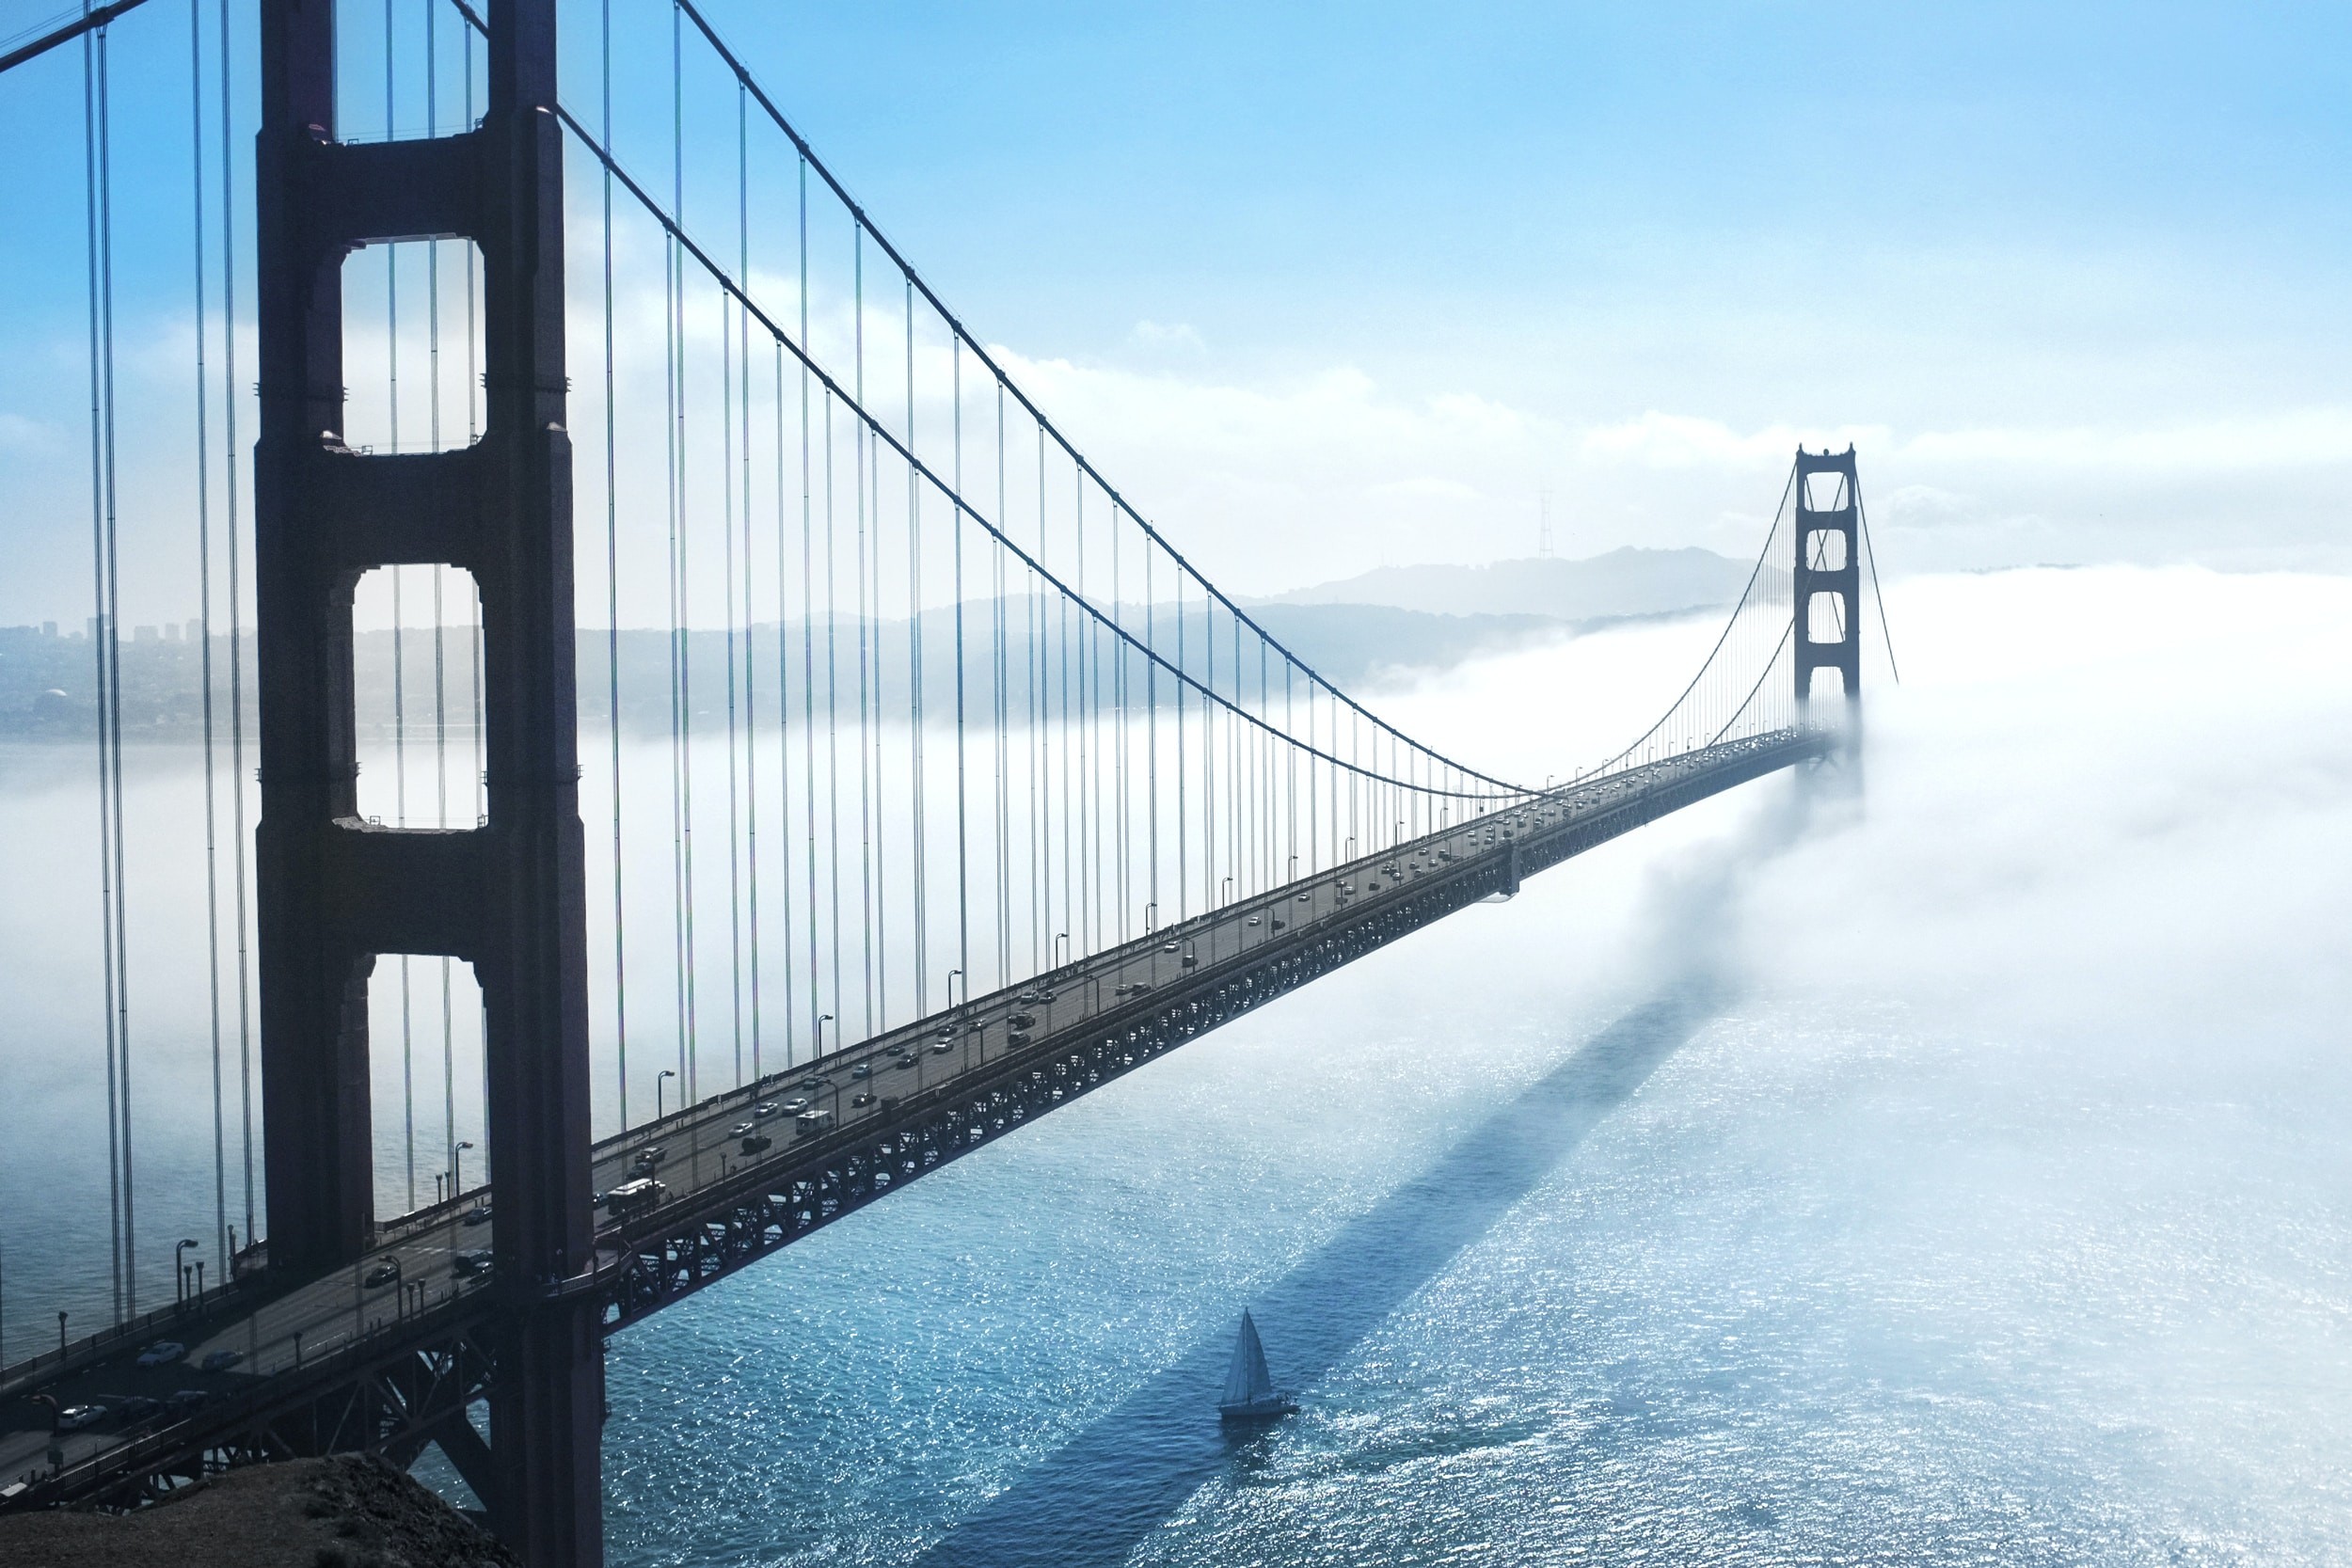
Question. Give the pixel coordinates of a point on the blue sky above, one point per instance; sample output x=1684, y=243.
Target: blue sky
x=2071, y=277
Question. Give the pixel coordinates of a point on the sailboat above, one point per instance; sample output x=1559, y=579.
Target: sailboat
x=1250, y=1392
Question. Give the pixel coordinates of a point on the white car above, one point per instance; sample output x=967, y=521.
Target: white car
x=162, y=1352
x=73, y=1417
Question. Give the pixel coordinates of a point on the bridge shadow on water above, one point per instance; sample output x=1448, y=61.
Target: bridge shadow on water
x=1127, y=1473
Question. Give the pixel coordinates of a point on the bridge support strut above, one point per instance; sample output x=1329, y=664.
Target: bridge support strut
x=508, y=895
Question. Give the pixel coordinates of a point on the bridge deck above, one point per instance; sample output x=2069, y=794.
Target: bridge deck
x=897, y=1105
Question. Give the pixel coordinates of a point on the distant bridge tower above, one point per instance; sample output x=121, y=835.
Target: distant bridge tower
x=1828, y=594
x=509, y=895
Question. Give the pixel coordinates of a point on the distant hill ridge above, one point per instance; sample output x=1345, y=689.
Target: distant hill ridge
x=1628, y=581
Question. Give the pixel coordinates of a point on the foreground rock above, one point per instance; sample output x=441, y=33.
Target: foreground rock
x=341, y=1512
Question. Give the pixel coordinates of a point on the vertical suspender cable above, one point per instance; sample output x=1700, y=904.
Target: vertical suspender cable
x=105, y=647
x=236, y=621
x=914, y=677
x=999, y=678
x=751, y=703
x=204, y=630
x=963, y=791
x=833, y=719
x=808, y=632
x=784, y=711
x=867, y=850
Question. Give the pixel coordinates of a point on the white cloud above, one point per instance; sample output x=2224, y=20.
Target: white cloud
x=1181, y=335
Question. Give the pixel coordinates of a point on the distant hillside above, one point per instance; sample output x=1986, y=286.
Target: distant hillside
x=46, y=679
x=1622, y=582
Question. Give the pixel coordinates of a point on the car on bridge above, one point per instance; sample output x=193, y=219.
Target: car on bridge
x=764, y=1109
x=162, y=1352
x=799, y=1104
x=742, y=1130
x=758, y=1143
x=221, y=1360
x=73, y=1417
x=386, y=1272
x=471, y=1263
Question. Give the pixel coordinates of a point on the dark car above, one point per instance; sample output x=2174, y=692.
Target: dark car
x=757, y=1143
x=478, y=1214
x=386, y=1272
x=471, y=1263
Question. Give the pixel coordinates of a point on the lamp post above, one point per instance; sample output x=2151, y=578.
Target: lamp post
x=1061, y=938
x=457, y=1170
x=658, y=1078
x=179, y=1271
x=822, y=1018
x=951, y=987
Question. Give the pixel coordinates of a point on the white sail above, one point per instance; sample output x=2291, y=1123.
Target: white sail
x=1246, y=1380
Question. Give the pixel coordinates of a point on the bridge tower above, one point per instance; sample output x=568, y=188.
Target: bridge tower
x=507, y=897
x=1828, y=595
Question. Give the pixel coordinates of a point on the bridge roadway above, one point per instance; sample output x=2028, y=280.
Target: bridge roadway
x=887, y=1109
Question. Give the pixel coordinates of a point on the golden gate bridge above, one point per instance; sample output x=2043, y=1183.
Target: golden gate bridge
x=1011, y=798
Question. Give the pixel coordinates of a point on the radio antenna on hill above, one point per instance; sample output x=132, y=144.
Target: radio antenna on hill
x=1543, y=524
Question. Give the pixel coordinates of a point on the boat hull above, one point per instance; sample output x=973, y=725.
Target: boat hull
x=1255, y=1412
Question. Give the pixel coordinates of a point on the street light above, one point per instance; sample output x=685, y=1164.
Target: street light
x=665, y=1072
x=1059, y=937
x=457, y=1170
x=179, y=1271
x=822, y=1018
x=951, y=987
